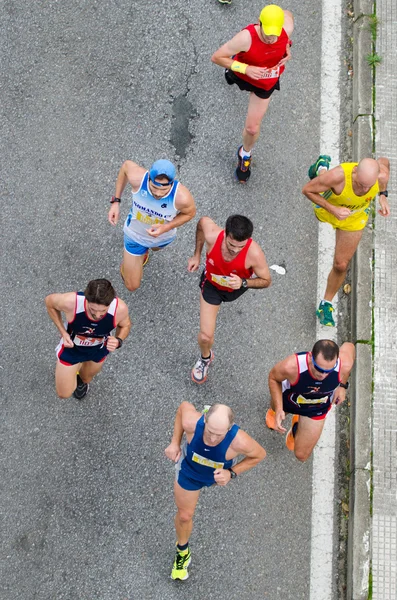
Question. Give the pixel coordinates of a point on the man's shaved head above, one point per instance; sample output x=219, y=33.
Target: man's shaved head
x=220, y=415
x=367, y=172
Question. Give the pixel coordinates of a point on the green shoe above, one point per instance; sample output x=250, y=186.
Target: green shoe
x=324, y=313
x=323, y=161
x=181, y=563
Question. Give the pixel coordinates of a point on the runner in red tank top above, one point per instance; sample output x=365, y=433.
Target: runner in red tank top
x=232, y=260
x=254, y=59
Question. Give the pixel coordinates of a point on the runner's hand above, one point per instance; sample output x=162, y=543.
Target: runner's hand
x=256, y=72
x=235, y=281
x=114, y=213
x=193, y=263
x=67, y=341
x=280, y=416
x=340, y=213
x=222, y=476
x=339, y=396
x=112, y=343
x=157, y=229
x=173, y=452
x=384, y=207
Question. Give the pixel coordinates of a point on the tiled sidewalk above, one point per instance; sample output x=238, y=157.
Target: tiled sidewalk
x=384, y=522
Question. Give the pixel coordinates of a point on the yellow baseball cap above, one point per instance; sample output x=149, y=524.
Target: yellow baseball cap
x=272, y=19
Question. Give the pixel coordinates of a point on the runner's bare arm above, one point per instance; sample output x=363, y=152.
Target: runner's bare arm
x=322, y=183
x=253, y=452
x=61, y=303
x=185, y=204
x=131, y=173
x=122, y=329
x=285, y=369
x=206, y=231
x=263, y=278
x=288, y=22
x=383, y=180
x=185, y=421
x=347, y=356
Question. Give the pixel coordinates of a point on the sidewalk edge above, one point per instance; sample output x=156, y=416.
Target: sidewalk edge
x=359, y=531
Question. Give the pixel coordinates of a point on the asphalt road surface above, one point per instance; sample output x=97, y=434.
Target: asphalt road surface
x=86, y=496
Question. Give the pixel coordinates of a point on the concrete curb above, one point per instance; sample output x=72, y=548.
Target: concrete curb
x=359, y=540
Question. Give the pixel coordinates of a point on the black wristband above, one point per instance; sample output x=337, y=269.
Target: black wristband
x=120, y=343
x=114, y=199
x=233, y=474
x=384, y=193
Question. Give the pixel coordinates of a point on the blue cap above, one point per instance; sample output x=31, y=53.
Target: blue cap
x=162, y=167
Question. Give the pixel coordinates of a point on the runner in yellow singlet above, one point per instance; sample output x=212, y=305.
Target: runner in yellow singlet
x=342, y=197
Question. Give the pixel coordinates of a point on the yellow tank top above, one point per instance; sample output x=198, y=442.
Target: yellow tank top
x=348, y=198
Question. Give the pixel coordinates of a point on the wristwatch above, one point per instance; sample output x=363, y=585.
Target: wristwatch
x=233, y=475
x=244, y=284
x=113, y=199
x=345, y=386
x=384, y=193
x=120, y=343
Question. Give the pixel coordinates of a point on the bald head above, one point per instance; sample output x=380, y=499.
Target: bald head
x=367, y=172
x=220, y=416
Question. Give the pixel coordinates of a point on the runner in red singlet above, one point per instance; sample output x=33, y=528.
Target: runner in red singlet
x=254, y=59
x=232, y=258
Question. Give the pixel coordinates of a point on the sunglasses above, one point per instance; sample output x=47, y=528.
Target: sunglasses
x=160, y=185
x=320, y=369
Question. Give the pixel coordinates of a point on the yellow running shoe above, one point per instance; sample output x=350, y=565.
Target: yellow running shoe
x=181, y=563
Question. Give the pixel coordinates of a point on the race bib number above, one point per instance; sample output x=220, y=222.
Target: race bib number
x=147, y=220
x=272, y=73
x=206, y=462
x=302, y=400
x=222, y=280
x=88, y=342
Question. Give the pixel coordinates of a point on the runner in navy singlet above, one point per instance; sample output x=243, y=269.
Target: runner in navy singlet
x=232, y=258
x=160, y=204
x=307, y=384
x=86, y=337
x=208, y=456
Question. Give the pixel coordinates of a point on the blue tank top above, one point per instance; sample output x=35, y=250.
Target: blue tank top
x=146, y=210
x=308, y=393
x=86, y=332
x=200, y=460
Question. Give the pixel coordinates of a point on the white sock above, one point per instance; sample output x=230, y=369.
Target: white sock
x=244, y=152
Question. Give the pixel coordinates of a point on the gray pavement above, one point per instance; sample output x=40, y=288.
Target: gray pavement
x=373, y=514
x=86, y=499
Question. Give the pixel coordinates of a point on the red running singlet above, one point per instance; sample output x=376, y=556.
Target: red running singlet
x=263, y=55
x=218, y=270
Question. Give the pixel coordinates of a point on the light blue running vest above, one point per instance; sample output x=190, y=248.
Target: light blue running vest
x=146, y=211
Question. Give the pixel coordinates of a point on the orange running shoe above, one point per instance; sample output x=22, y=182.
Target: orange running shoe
x=270, y=419
x=290, y=440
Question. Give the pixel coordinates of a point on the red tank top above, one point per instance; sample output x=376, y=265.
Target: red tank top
x=263, y=55
x=217, y=269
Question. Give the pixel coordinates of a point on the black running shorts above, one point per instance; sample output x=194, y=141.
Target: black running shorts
x=232, y=78
x=212, y=295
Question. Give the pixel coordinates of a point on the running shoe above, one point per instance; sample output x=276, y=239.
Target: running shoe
x=290, y=439
x=200, y=369
x=181, y=563
x=324, y=313
x=82, y=388
x=271, y=419
x=146, y=259
x=243, y=171
x=323, y=161
x=225, y=1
